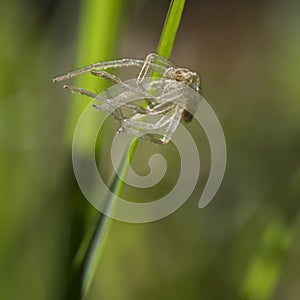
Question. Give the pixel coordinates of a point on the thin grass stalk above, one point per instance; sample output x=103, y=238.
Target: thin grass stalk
x=92, y=245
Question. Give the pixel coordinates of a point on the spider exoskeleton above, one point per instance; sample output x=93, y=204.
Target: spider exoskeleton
x=166, y=93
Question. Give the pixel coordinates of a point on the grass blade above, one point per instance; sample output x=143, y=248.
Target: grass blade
x=92, y=245
x=170, y=28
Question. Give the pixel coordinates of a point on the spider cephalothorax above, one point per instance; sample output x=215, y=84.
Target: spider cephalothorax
x=189, y=78
x=173, y=102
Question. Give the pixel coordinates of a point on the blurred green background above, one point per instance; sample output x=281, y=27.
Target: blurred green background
x=244, y=244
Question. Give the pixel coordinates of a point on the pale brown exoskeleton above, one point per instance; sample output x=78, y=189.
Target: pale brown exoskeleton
x=173, y=102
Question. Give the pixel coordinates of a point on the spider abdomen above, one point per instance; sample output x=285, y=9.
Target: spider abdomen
x=187, y=116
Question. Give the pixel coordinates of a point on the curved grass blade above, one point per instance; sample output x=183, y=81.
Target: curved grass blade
x=170, y=28
x=92, y=245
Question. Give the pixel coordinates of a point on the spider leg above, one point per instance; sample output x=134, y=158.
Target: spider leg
x=156, y=110
x=116, y=113
x=130, y=107
x=112, y=106
x=104, y=107
x=140, y=125
x=80, y=91
x=113, y=64
x=172, y=127
x=168, y=95
x=168, y=109
x=161, y=108
x=154, y=138
x=84, y=92
x=175, y=95
x=116, y=103
x=108, y=105
x=154, y=63
x=120, y=63
x=154, y=59
x=92, y=95
x=109, y=77
x=117, y=80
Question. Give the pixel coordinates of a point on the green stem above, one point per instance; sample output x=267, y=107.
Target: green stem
x=170, y=28
x=91, y=247
x=164, y=49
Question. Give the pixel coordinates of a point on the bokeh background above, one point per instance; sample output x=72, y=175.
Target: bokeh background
x=245, y=244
